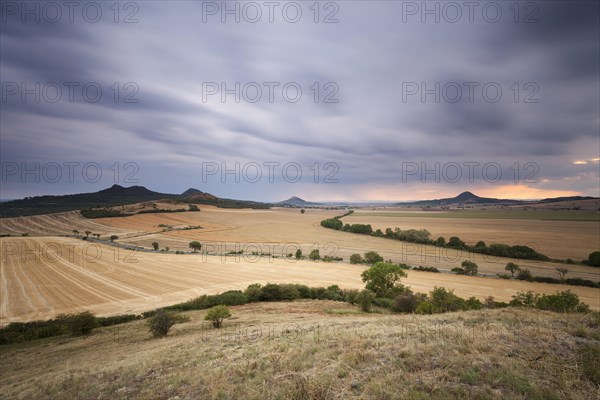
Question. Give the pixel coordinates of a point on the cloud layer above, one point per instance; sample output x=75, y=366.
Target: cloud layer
x=483, y=92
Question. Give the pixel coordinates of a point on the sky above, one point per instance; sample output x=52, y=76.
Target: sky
x=327, y=101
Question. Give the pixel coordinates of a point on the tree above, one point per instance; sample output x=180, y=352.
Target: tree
x=365, y=300
x=155, y=245
x=167, y=248
x=76, y=232
x=372, y=257
x=314, y=255
x=217, y=314
x=480, y=244
x=162, y=321
x=561, y=273
x=87, y=233
x=195, y=246
x=356, y=259
x=383, y=278
x=97, y=235
x=469, y=267
x=594, y=259
x=512, y=267
x=298, y=254
x=302, y=211
x=440, y=241
x=456, y=242
x=113, y=238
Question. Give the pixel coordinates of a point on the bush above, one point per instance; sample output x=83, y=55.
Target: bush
x=424, y=307
x=217, y=314
x=558, y=302
x=503, y=276
x=524, y=299
x=407, y=302
x=80, y=324
x=445, y=300
x=372, y=257
x=314, y=255
x=350, y=296
x=163, y=320
x=298, y=254
x=426, y=269
x=524, y=275
x=288, y=292
x=252, y=292
x=356, y=259
x=458, y=270
x=365, y=300
x=473, y=303
x=270, y=292
x=383, y=302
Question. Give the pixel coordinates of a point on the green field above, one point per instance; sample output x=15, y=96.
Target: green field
x=483, y=214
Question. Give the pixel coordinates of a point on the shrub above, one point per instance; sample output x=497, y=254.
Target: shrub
x=426, y=269
x=503, y=276
x=288, y=292
x=524, y=299
x=303, y=291
x=558, y=302
x=270, y=292
x=524, y=275
x=298, y=254
x=79, y=324
x=424, y=307
x=372, y=257
x=350, y=295
x=445, y=300
x=407, y=302
x=365, y=300
x=458, y=270
x=163, y=320
x=217, y=314
x=440, y=241
x=383, y=302
x=356, y=259
x=335, y=293
x=314, y=255
x=473, y=303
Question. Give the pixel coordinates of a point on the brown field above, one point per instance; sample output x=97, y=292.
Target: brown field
x=554, y=238
x=279, y=231
x=44, y=276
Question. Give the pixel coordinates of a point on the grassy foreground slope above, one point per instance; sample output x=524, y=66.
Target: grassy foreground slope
x=318, y=350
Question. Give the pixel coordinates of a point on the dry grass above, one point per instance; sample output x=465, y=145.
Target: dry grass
x=301, y=350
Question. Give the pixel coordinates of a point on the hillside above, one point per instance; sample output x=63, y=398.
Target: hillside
x=114, y=196
x=318, y=350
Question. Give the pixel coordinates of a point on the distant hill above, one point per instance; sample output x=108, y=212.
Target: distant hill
x=114, y=196
x=470, y=198
x=463, y=198
x=297, y=202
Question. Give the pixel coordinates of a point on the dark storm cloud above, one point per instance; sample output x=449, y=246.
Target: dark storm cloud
x=369, y=133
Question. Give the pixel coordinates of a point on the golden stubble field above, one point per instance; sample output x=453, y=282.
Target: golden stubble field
x=554, y=238
x=44, y=276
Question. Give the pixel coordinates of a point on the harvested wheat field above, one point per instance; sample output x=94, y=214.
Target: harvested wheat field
x=42, y=277
x=278, y=231
x=560, y=239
